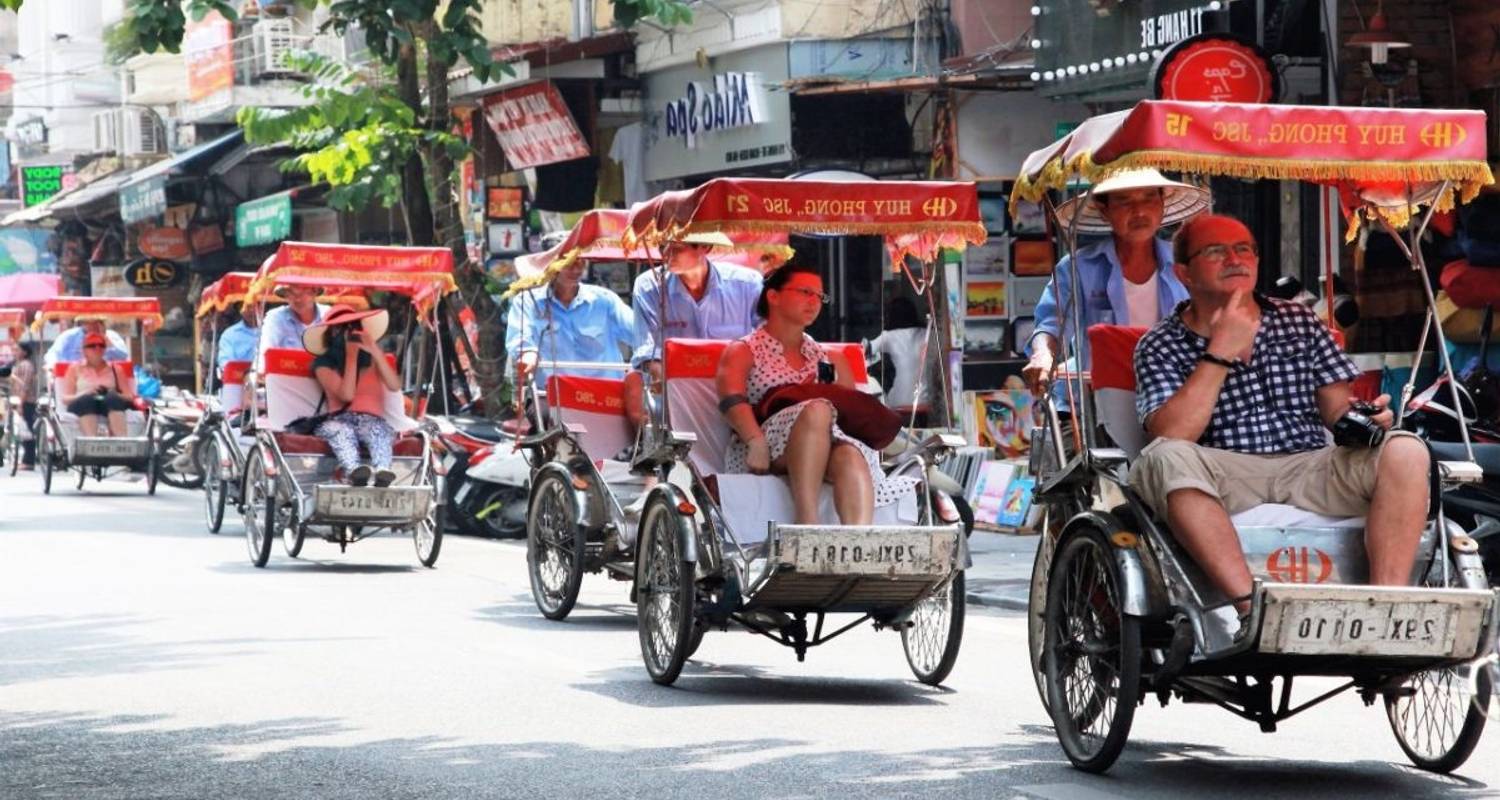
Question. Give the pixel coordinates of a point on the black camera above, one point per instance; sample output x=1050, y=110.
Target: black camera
x=1357, y=428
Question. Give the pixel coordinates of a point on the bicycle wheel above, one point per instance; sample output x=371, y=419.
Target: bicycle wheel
x=554, y=546
x=215, y=488
x=665, y=592
x=932, y=639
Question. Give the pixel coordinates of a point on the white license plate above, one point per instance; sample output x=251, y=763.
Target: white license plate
x=109, y=448
x=864, y=554
x=370, y=503
x=1315, y=627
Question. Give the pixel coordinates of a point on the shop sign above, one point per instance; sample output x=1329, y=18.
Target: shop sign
x=39, y=183
x=1215, y=67
x=153, y=273
x=263, y=221
x=701, y=122
x=1092, y=47
x=733, y=100
x=31, y=132
x=166, y=243
x=534, y=127
x=209, y=54
x=206, y=239
x=143, y=200
x=505, y=202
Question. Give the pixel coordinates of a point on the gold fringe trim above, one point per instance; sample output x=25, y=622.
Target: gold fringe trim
x=442, y=283
x=151, y=321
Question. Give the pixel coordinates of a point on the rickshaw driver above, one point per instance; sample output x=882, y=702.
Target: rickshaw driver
x=68, y=349
x=1237, y=389
x=237, y=342
x=282, y=327
x=572, y=321
x=705, y=301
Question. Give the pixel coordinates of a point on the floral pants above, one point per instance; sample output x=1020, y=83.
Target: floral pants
x=347, y=430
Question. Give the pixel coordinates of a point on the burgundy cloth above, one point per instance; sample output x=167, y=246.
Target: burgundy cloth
x=299, y=444
x=860, y=415
x=1470, y=286
x=516, y=426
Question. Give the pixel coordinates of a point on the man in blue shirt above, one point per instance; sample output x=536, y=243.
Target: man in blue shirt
x=68, y=349
x=568, y=320
x=1126, y=279
x=237, y=342
x=283, y=327
x=703, y=301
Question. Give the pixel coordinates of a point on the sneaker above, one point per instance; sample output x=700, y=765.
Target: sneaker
x=384, y=476
x=360, y=476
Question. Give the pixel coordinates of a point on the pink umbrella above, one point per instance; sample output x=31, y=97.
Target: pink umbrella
x=29, y=290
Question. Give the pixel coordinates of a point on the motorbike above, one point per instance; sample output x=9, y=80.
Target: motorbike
x=177, y=443
x=483, y=500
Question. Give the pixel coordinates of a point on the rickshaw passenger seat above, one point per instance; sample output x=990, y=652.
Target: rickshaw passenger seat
x=598, y=406
x=293, y=393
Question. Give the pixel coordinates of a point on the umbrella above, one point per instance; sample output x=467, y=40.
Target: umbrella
x=29, y=289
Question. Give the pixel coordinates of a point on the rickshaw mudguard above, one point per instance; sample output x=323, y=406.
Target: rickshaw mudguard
x=675, y=499
x=1141, y=585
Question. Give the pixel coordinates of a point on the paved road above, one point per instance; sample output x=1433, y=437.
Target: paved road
x=142, y=658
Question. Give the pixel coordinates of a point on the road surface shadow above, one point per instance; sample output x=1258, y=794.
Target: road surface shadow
x=705, y=683
x=50, y=648
x=522, y=613
x=286, y=565
x=90, y=758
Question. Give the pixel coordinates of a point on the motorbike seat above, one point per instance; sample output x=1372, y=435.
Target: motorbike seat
x=1487, y=456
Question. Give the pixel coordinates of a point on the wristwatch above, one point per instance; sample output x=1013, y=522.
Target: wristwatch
x=1223, y=362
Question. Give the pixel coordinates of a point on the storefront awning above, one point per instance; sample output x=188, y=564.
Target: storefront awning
x=201, y=156
x=74, y=198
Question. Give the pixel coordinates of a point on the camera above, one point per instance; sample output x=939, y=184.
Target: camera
x=1357, y=428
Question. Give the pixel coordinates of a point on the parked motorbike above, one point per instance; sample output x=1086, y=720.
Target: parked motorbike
x=475, y=503
x=177, y=443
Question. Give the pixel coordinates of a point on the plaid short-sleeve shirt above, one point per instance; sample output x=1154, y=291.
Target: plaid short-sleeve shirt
x=1269, y=405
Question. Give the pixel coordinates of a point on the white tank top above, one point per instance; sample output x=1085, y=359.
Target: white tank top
x=1140, y=299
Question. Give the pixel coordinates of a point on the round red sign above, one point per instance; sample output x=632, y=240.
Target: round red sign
x=1217, y=68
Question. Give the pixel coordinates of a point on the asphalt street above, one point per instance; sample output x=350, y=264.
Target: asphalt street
x=141, y=657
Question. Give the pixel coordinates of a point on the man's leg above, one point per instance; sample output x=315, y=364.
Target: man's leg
x=1398, y=511
x=1202, y=527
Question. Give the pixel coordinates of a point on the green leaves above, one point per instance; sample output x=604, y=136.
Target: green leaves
x=666, y=12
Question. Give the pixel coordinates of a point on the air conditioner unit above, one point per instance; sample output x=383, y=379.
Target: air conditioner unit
x=129, y=132
x=274, y=40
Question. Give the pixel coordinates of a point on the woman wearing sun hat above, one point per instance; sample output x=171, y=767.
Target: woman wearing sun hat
x=354, y=375
x=1126, y=279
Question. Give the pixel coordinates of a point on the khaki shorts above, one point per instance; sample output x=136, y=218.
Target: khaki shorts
x=1333, y=481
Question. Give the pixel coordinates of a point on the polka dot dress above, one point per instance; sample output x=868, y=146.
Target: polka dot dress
x=770, y=370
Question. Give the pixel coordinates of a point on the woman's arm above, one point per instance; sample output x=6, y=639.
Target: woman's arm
x=125, y=383
x=733, y=379
x=387, y=372
x=69, y=386
x=843, y=373
x=331, y=382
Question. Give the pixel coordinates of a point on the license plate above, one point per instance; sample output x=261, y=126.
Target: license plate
x=109, y=448
x=1315, y=627
x=353, y=502
x=855, y=553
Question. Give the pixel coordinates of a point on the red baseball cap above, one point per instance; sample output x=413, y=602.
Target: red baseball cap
x=95, y=340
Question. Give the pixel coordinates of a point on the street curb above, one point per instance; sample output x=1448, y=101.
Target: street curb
x=995, y=601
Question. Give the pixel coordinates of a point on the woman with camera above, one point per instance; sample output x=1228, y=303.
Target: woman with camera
x=92, y=388
x=355, y=376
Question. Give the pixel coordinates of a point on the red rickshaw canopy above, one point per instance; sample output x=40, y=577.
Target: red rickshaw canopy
x=1391, y=158
x=234, y=287
x=422, y=273
x=145, y=310
x=917, y=218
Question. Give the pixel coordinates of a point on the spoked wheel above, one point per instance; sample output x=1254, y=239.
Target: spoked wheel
x=554, y=546
x=83, y=476
x=215, y=488
x=937, y=628
x=293, y=536
x=44, y=455
x=15, y=446
x=1438, y=715
x=153, y=464
x=1092, y=653
x=665, y=592
x=428, y=535
x=260, y=510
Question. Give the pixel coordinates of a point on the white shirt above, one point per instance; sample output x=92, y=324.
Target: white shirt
x=628, y=152
x=903, y=347
x=1140, y=298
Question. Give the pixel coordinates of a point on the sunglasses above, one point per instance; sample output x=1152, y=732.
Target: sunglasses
x=93, y=347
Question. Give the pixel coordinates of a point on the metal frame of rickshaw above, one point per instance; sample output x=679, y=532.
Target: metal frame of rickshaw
x=14, y=320
x=291, y=485
x=694, y=529
x=54, y=451
x=223, y=485
x=1161, y=595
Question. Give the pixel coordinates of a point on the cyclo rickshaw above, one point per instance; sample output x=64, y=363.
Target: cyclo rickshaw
x=579, y=419
x=15, y=429
x=287, y=487
x=221, y=440
x=60, y=446
x=1118, y=609
x=710, y=549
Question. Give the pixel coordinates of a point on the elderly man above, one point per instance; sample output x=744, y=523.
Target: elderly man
x=238, y=341
x=1126, y=279
x=568, y=320
x=704, y=300
x=68, y=349
x=283, y=327
x=1240, y=391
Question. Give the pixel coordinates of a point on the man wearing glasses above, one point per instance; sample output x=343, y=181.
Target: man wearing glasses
x=1240, y=391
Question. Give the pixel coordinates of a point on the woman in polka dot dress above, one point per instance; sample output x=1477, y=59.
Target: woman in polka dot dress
x=802, y=441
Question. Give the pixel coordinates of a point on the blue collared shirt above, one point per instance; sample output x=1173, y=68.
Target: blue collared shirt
x=68, y=349
x=237, y=343
x=1102, y=282
x=727, y=310
x=281, y=329
x=594, y=327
